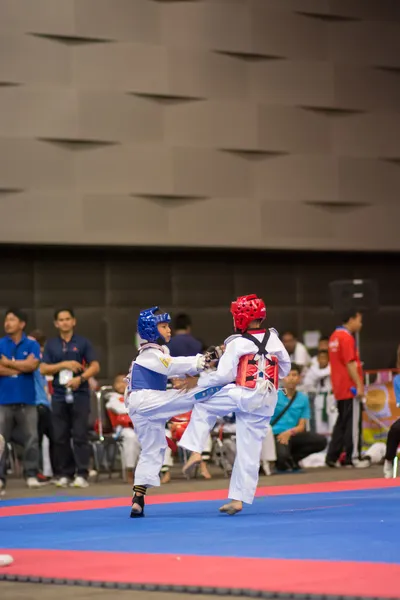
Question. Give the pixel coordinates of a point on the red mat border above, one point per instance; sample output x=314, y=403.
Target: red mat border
x=304, y=488
x=282, y=576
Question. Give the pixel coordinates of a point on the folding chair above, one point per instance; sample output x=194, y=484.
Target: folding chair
x=106, y=444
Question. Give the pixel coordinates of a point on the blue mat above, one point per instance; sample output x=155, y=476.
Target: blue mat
x=355, y=526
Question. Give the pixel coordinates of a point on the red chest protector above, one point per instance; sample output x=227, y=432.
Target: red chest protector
x=259, y=367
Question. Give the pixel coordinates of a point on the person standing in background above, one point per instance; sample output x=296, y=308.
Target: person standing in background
x=183, y=343
x=19, y=358
x=297, y=351
x=71, y=360
x=45, y=424
x=346, y=373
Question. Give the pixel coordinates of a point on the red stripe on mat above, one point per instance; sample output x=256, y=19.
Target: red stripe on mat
x=305, y=488
x=295, y=576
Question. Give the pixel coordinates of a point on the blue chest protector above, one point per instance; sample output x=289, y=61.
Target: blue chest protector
x=145, y=379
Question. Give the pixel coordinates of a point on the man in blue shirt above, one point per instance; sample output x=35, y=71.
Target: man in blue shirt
x=71, y=360
x=19, y=358
x=183, y=343
x=393, y=439
x=293, y=442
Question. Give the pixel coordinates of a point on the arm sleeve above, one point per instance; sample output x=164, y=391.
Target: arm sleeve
x=48, y=355
x=115, y=405
x=310, y=379
x=89, y=354
x=283, y=359
x=35, y=350
x=306, y=413
x=226, y=371
x=347, y=349
x=168, y=365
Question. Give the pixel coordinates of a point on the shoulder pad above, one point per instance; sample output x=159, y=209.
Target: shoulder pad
x=273, y=330
x=232, y=337
x=150, y=346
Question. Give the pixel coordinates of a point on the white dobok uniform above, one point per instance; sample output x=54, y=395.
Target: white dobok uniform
x=130, y=440
x=253, y=409
x=150, y=405
x=318, y=381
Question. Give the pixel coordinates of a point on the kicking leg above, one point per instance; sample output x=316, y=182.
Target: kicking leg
x=202, y=421
x=250, y=433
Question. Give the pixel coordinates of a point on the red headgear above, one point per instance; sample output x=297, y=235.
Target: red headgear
x=247, y=309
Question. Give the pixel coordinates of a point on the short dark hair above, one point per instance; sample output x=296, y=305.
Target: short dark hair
x=182, y=321
x=350, y=314
x=17, y=313
x=39, y=336
x=324, y=338
x=60, y=310
x=295, y=367
x=288, y=332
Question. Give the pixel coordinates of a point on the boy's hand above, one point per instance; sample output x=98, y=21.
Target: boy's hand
x=72, y=365
x=74, y=383
x=188, y=383
x=284, y=437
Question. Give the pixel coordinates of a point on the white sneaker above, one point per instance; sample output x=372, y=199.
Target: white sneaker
x=2, y=488
x=2, y=445
x=266, y=467
x=79, y=482
x=388, y=469
x=33, y=482
x=5, y=560
x=62, y=482
x=363, y=463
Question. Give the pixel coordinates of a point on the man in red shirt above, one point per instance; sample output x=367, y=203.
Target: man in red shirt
x=346, y=373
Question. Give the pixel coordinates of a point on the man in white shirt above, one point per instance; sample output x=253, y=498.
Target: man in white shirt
x=297, y=351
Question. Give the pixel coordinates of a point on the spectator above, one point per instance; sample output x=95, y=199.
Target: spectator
x=393, y=439
x=121, y=422
x=293, y=442
x=317, y=381
x=71, y=360
x=45, y=424
x=183, y=343
x=323, y=345
x=297, y=351
x=346, y=373
x=19, y=359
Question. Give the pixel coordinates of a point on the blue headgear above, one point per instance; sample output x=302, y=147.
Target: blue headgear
x=147, y=324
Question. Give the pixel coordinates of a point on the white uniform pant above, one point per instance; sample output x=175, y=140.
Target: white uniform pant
x=251, y=429
x=168, y=458
x=130, y=447
x=149, y=411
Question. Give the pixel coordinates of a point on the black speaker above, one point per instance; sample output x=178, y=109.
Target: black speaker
x=358, y=294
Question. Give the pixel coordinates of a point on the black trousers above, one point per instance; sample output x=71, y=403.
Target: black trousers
x=393, y=441
x=71, y=424
x=45, y=428
x=347, y=433
x=300, y=446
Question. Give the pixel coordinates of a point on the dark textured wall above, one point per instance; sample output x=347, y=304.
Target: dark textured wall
x=108, y=288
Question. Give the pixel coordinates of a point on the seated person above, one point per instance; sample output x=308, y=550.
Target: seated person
x=317, y=381
x=393, y=439
x=121, y=422
x=293, y=442
x=175, y=429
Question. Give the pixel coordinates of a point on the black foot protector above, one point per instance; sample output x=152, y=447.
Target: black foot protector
x=137, y=509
